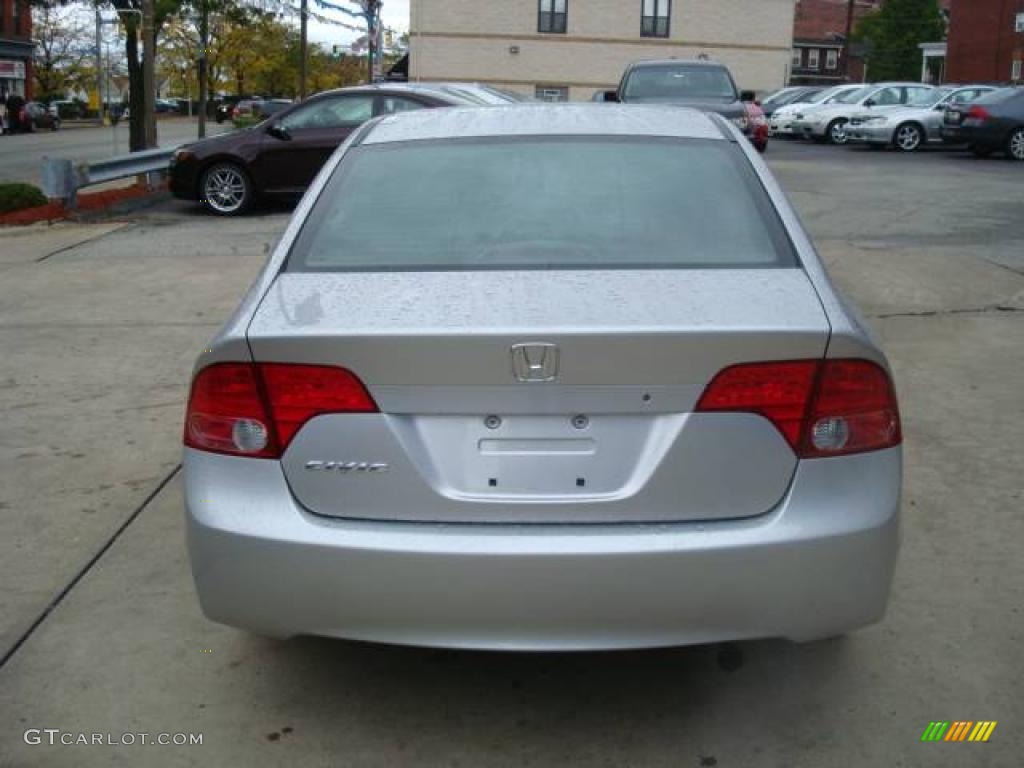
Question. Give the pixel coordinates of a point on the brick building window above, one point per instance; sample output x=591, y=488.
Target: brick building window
x=812, y=58
x=798, y=58
x=654, y=18
x=552, y=16
x=1019, y=25
x=16, y=18
x=1015, y=70
x=831, y=59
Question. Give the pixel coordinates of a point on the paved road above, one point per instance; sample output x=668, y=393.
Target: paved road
x=98, y=340
x=21, y=155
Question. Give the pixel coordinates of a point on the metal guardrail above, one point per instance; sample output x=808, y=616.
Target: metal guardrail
x=62, y=178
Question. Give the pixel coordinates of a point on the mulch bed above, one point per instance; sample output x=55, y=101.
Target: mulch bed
x=87, y=202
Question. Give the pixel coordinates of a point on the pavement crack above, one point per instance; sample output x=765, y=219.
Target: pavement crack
x=92, y=239
x=87, y=567
x=994, y=308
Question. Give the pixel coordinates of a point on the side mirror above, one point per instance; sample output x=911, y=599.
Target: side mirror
x=278, y=131
x=748, y=96
x=869, y=103
x=612, y=96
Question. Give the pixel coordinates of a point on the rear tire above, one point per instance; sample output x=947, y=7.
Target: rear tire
x=836, y=132
x=908, y=137
x=225, y=189
x=1015, y=145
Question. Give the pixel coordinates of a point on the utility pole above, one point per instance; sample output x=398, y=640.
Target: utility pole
x=303, y=63
x=149, y=73
x=372, y=19
x=99, y=67
x=202, y=70
x=846, y=40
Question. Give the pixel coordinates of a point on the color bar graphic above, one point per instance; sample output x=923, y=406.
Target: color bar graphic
x=958, y=730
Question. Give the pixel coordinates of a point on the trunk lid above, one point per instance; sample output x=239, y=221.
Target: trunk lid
x=609, y=438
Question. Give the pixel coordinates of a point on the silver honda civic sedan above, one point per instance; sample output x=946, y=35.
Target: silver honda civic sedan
x=544, y=377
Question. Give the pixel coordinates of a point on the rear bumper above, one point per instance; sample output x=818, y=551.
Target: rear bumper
x=820, y=564
x=989, y=135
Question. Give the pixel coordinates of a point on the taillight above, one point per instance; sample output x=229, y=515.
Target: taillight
x=254, y=410
x=822, y=408
x=978, y=113
x=854, y=409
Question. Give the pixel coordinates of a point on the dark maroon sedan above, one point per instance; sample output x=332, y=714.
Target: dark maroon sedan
x=282, y=155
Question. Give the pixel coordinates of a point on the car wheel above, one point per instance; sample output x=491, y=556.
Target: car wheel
x=226, y=189
x=908, y=137
x=1015, y=146
x=836, y=132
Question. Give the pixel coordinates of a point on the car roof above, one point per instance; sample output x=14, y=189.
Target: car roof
x=433, y=88
x=539, y=119
x=688, y=62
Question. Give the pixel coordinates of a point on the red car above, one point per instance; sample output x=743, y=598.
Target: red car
x=758, y=125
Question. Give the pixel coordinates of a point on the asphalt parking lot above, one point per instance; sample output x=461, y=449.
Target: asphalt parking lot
x=100, y=631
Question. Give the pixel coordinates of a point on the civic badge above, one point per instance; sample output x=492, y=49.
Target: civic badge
x=535, y=361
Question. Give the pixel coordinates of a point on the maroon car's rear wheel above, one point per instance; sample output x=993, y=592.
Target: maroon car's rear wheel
x=1015, y=145
x=226, y=189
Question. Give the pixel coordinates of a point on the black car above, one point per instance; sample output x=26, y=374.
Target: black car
x=703, y=85
x=993, y=123
x=281, y=155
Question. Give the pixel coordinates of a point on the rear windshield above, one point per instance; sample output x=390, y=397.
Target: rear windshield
x=542, y=203
x=679, y=81
x=854, y=96
x=999, y=96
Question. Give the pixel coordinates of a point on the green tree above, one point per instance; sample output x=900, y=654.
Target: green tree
x=893, y=33
x=63, y=45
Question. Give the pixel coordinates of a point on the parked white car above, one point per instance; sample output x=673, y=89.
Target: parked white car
x=920, y=122
x=781, y=121
x=828, y=121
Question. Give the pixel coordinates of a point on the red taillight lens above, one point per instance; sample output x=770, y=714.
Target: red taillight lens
x=979, y=113
x=854, y=410
x=226, y=412
x=297, y=393
x=777, y=391
x=822, y=408
x=255, y=409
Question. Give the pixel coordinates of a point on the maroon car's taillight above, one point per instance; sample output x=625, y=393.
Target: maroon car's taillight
x=979, y=113
x=821, y=408
x=254, y=409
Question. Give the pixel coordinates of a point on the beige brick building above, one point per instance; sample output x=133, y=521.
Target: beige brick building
x=571, y=48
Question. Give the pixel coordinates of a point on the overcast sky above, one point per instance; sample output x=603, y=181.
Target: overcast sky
x=395, y=13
